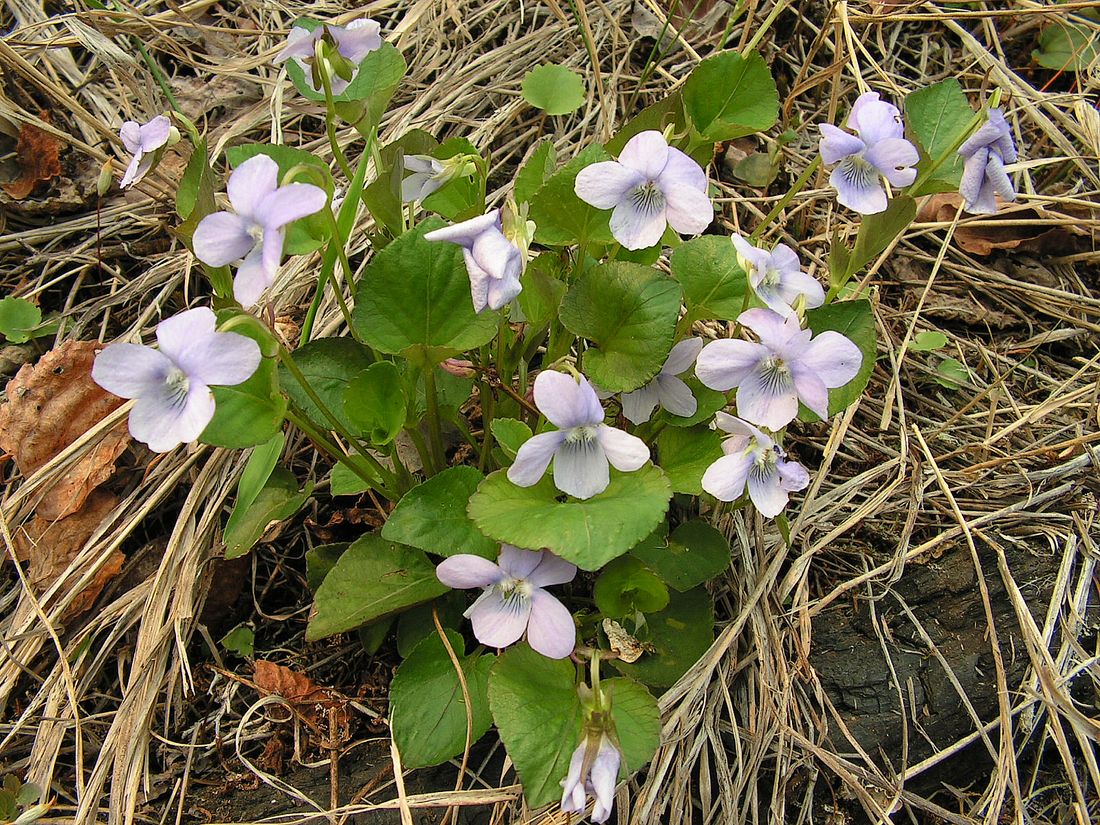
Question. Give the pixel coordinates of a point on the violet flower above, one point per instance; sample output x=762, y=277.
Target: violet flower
x=581, y=447
x=172, y=383
x=428, y=175
x=787, y=366
x=754, y=460
x=142, y=141
x=514, y=600
x=253, y=234
x=650, y=186
x=777, y=277
x=666, y=389
x=352, y=43
x=879, y=151
x=493, y=262
x=986, y=152
x=593, y=771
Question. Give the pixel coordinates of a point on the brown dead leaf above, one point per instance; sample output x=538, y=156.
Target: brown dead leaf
x=38, y=153
x=50, y=405
x=306, y=696
x=981, y=235
x=50, y=546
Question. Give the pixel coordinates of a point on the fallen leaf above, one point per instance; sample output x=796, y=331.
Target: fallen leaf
x=49, y=406
x=980, y=235
x=38, y=154
x=308, y=698
x=51, y=545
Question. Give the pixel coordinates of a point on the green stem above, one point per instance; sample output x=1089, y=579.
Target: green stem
x=342, y=254
x=421, y=447
x=787, y=198
x=330, y=117
x=336, y=454
x=435, y=428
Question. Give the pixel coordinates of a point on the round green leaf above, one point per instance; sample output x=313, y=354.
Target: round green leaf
x=629, y=312
x=626, y=587
x=680, y=634
x=713, y=281
x=684, y=453
x=695, y=552
x=329, y=364
x=17, y=317
x=855, y=320
x=588, y=533
x=637, y=722
x=561, y=218
x=433, y=516
x=249, y=413
x=554, y=89
x=374, y=401
x=510, y=434
x=729, y=96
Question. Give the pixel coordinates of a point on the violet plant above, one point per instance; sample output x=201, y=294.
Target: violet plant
x=489, y=323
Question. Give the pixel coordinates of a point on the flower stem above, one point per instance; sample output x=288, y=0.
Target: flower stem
x=786, y=199
x=435, y=430
x=330, y=115
x=336, y=454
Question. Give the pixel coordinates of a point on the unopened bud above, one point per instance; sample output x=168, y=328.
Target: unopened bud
x=106, y=176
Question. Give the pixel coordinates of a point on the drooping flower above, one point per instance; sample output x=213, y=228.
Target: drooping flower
x=349, y=45
x=514, y=601
x=752, y=459
x=593, y=771
x=493, y=262
x=650, y=186
x=666, y=389
x=986, y=152
x=142, y=140
x=777, y=277
x=879, y=151
x=253, y=234
x=581, y=447
x=428, y=175
x=172, y=383
x=789, y=365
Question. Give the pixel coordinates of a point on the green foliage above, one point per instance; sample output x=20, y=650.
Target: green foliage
x=417, y=624
x=629, y=312
x=939, y=116
x=713, y=281
x=876, y=233
x=588, y=533
x=625, y=587
x=928, y=340
x=461, y=198
x=374, y=83
x=543, y=290
x=320, y=560
x=855, y=320
x=554, y=89
x=344, y=481
x=374, y=403
x=383, y=196
x=684, y=453
x=560, y=216
x=433, y=516
x=539, y=166
x=680, y=634
x=427, y=707
x=637, y=722
x=695, y=553
x=257, y=471
x=951, y=374
x=668, y=111
x=510, y=434
x=1067, y=46
x=279, y=499
x=240, y=640
x=329, y=364
x=729, y=96
x=18, y=319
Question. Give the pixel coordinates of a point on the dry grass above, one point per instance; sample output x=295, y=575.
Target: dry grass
x=1000, y=468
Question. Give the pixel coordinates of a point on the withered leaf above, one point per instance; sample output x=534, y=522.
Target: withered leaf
x=981, y=235
x=49, y=406
x=310, y=699
x=38, y=153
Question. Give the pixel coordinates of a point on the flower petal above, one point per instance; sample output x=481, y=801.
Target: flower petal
x=131, y=136
x=552, y=569
x=799, y=283
x=832, y=357
x=288, y=204
x=223, y=359
x=836, y=144
x=774, y=330
x=604, y=776
x=565, y=401
x=467, y=232
x=176, y=334
x=502, y=290
x=682, y=172
x=479, y=281
x=580, y=468
x=626, y=452
x=766, y=494
x=768, y=399
x=605, y=184
x=724, y=364
x=154, y=134
x=646, y=153
x=162, y=421
x=252, y=279
x=131, y=370
x=894, y=158
x=358, y=39
x=499, y=623
x=875, y=119
x=136, y=170
x=637, y=227
x=550, y=630
x=998, y=179
x=858, y=189
x=811, y=390
x=676, y=396
x=517, y=562
x=793, y=476
x=466, y=570
x=725, y=479
x=251, y=182
x=496, y=255
x=533, y=458
x=688, y=210
x=572, y=794
x=638, y=405
x=682, y=356
x=299, y=43
x=221, y=238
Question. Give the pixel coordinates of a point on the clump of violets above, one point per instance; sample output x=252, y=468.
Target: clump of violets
x=582, y=447
x=514, y=600
x=651, y=186
x=752, y=459
x=172, y=383
x=986, y=152
x=878, y=150
x=776, y=276
x=493, y=262
x=667, y=390
x=342, y=49
x=787, y=366
x=252, y=234
x=593, y=771
x=144, y=141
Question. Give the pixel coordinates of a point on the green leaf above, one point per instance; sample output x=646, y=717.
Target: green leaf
x=257, y=471
x=680, y=634
x=18, y=317
x=629, y=312
x=877, y=232
x=329, y=365
x=637, y=721
x=588, y=533
x=279, y=499
x=668, y=111
x=561, y=218
x=713, y=281
x=320, y=560
x=374, y=403
x=416, y=624
x=344, y=481
x=695, y=553
x=856, y=321
x=539, y=166
x=373, y=635
x=510, y=434
x=951, y=373
x=372, y=579
x=240, y=640
x=414, y=300
x=543, y=290
x=28, y=795
x=461, y=198
x=195, y=195
x=1065, y=46
x=684, y=453
x=626, y=587
x=554, y=89
x=939, y=115
x=433, y=516
x=928, y=340
x=538, y=713
x=427, y=707
x=728, y=96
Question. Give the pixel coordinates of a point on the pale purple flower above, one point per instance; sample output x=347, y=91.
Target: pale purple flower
x=352, y=42
x=986, y=153
x=666, y=389
x=493, y=262
x=428, y=175
x=514, y=600
x=581, y=447
x=879, y=151
x=253, y=234
x=172, y=383
x=593, y=771
x=787, y=366
x=752, y=459
x=142, y=141
x=777, y=277
x=650, y=186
